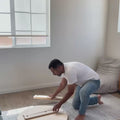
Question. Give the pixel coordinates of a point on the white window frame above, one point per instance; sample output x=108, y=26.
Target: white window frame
x=118, y=27
x=13, y=28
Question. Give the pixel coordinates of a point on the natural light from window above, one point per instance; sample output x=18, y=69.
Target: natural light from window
x=119, y=18
x=24, y=23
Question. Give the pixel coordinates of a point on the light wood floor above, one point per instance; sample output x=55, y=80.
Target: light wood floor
x=25, y=98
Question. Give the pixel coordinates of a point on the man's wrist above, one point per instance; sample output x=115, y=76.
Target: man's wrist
x=60, y=103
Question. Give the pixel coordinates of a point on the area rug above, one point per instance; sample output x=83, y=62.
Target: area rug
x=110, y=110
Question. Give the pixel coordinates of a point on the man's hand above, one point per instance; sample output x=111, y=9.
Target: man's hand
x=60, y=88
x=57, y=107
x=65, y=98
x=51, y=97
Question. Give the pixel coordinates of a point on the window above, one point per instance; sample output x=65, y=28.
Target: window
x=119, y=18
x=24, y=23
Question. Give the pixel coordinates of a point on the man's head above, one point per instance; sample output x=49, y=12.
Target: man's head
x=56, y=67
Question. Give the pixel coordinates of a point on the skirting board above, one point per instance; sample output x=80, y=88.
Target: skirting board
x=44, y=85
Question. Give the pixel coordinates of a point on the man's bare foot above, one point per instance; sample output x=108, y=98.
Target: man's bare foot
x=80, y=117
x=99, y=100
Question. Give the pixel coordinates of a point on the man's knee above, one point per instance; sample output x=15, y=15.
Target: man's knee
x=75, y=106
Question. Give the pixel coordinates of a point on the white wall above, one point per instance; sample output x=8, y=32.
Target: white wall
x=113, y=37
x=78, y=29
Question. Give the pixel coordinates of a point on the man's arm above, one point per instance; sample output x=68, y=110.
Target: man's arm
x=60, y=88
x=70, y=92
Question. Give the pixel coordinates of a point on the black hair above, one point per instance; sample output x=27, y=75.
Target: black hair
x=55, y=63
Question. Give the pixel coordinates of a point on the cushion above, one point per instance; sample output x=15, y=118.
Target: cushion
x=109, y=72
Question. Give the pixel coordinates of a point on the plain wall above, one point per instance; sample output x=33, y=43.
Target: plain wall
x=113, y=37
x=78, y=33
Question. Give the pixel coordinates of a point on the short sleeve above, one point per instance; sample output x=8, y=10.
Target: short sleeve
x=62, y=76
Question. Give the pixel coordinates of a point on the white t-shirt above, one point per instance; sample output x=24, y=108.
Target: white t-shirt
x=78, y=73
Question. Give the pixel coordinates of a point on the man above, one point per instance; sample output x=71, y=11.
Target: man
x=80, y=77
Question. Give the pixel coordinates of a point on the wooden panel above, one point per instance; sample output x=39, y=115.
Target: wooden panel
x=42, y=113
x=45, y=97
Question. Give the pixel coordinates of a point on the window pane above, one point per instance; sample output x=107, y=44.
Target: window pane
x=119, y=18
x=23, y=40
x=5, y=25
x=5, y=33
x=23, y=33
x=38, y=22
x=4, y=5
x=38, y=6
x=39, y=33
x=22, y=5
x=5, y=41
x=22, y=21
x=38, y=40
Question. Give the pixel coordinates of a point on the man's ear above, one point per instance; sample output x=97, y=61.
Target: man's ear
x=60, y=67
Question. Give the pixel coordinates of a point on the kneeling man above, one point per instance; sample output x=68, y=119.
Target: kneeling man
x=79, y=78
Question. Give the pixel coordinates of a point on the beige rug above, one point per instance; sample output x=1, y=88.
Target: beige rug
x=110, y=110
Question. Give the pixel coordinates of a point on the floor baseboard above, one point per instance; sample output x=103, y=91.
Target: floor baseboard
x=31, y=87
